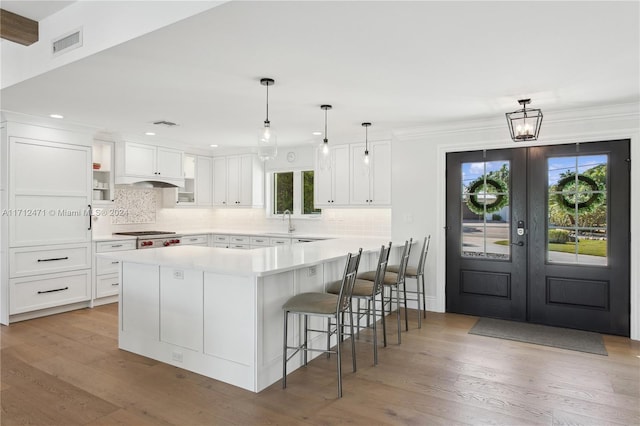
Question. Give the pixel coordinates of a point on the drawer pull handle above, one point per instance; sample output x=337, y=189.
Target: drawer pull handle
x=116, y=246
x=115, y=284
x=193, y=239
x=53, y=258
x=115, y=262
x=54, y=290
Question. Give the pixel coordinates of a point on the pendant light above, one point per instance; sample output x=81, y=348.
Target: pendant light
x=325, y=141
x=267, y=141
x=366, y=142
x=524, y=124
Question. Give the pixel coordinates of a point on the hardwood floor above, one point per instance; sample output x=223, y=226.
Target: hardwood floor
x=67, y=370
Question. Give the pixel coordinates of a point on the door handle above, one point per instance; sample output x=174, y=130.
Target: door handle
x=519, y=244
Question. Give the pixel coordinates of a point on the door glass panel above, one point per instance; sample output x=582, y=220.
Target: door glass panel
x=577, y=210
x=485, y=210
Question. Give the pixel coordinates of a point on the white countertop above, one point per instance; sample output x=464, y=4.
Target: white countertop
x=256, y=262
x=100, y=238
x=226, y=231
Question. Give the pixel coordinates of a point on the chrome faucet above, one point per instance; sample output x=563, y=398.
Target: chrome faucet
x=291, y=227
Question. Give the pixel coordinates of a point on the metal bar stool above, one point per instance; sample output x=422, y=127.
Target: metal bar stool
x=395, y=283
x=417, y=273
x=369, y=291
x=327, y=305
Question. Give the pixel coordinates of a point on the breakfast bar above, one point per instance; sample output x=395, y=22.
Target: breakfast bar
x=218, y=312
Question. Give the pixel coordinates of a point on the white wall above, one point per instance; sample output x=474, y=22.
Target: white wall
x=418, y=184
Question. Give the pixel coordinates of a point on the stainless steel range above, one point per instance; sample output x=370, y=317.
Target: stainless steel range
x=154, y=239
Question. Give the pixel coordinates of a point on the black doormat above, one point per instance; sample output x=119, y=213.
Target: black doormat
x=564, y=338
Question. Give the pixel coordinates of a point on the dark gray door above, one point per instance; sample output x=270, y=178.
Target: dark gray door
x=554, y=251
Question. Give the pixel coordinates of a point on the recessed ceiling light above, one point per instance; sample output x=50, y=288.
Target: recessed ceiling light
x=213, y=145
x=316, y=133
x=56, y=116
x=149, y=133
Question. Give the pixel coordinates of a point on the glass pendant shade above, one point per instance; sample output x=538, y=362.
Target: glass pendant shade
x=325, y=147
x=267, y=143
x=524, y=124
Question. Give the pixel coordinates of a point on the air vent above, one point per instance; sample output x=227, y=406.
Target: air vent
x=165, y=123
x=67, y=42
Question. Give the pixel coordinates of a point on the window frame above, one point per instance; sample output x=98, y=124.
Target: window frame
x=297, y=195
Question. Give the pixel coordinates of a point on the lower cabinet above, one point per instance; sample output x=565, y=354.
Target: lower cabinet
x=195, y=240
x=48, y=291
x=106, y=281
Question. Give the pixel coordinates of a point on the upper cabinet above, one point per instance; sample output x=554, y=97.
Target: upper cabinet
x=371, y=183
x=198, y=177
x=344, y=180
x=238, y=180
x=220, y=181
x=204, y=181
x=147, y=162
x=103, y=172
x=331, y=177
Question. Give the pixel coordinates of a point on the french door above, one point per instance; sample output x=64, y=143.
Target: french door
x=541, y=234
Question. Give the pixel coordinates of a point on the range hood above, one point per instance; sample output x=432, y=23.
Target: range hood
x=147, y=182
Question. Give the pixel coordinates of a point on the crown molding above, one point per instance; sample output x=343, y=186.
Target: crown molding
x=551, y=116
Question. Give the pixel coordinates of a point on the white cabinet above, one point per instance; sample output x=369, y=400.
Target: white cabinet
x=220, y=181
x=141, y=161
x=242, y=242
x=106, y=281
x=186, y=194
x=220, y=241
x=103, y=172
x=280, y=241
x=204, y=179
x=238, y=180
x=48, y=291
x=198, y=177
x=50, y=184
x=331, y=178
x=371, y=184
x=195, y=240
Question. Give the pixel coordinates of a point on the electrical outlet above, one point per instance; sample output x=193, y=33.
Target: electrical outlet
x=313, y=270
x=178, y=274
x=176, y=356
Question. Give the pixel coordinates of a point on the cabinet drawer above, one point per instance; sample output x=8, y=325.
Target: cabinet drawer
x=27, y=261
x=280, y=241
x=220, y=238
x=107, y=285
x=107, y=266
x=259, y=241
x=240, y=246
x=195, y=239
x=46, y=291
x=237, y=239
x=115, y=246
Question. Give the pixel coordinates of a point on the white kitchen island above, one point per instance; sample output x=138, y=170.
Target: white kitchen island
x=218, y=312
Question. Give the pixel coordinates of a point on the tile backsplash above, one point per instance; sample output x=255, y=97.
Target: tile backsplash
x=145, y=212
x=138, y=205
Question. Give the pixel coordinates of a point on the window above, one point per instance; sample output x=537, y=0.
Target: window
x=307, y=193
x=293, y=191
x=283, y=192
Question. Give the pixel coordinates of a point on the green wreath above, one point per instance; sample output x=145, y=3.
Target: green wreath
x=502, y=199
x=589, y=205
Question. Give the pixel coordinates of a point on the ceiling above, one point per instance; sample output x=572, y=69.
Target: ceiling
x=35, y=10
x=396, y=64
